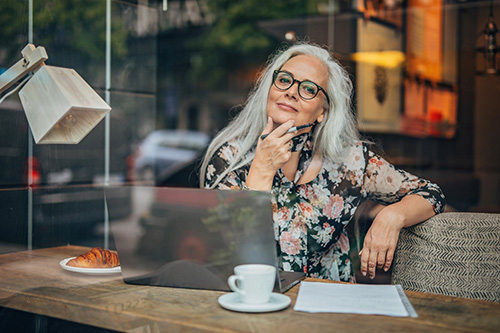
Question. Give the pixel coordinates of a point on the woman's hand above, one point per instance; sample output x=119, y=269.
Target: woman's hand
x=382, y=237
x=271, y=154
x=274, y=151
x=380, y=241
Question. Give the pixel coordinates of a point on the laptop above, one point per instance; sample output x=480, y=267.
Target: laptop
x=193, y=238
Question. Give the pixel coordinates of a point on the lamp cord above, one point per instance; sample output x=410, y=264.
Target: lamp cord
x=16, y=89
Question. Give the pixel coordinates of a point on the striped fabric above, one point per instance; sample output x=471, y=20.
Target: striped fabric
x=455, y=254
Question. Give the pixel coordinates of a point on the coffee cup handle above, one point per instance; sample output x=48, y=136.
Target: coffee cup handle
x=232, y=281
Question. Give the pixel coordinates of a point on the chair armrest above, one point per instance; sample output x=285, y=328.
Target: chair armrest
x=455, y=254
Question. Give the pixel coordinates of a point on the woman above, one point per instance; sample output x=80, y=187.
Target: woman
x=318, y=175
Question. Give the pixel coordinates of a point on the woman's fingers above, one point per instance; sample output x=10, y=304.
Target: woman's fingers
x=374, y=256
x=365, y=254
x=380, y=260
x=389, y=257
x=269, y=127
x=274, y=150
x=372, y=264
x=370, y=261
x=279, y=132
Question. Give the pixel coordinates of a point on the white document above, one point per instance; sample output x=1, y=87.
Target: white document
x=387, y=300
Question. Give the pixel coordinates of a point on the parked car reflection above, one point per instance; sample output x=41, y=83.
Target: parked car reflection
x=164, y=152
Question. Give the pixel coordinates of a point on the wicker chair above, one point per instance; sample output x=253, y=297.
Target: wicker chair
x=455, y=254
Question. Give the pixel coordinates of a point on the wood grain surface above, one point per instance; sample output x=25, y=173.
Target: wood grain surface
x=33, y=281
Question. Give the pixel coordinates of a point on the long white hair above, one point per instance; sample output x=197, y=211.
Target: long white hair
x=332, y=137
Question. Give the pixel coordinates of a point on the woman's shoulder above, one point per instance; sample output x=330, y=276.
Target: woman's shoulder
x=229, y=149
x=358, y=145
x=364, y=147
x=357, y=148
x=233, y=144
x=356, y=155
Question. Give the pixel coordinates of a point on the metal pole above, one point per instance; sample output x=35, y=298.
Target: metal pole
x=107, y=129
x=331, y=23
x=30, y=146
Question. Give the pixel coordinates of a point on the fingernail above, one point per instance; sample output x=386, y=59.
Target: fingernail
x=386, y=269
x=364, y=273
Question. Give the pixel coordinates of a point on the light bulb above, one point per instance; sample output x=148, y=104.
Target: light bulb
x=68, y=120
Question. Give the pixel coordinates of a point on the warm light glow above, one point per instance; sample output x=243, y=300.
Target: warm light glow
x=290, y=36
x=68, y=120
x=389, y=59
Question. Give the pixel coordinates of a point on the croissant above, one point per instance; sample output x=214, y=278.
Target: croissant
x=95, y=258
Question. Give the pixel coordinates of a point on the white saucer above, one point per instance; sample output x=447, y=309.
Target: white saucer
x=232, y=302
x=92, y=271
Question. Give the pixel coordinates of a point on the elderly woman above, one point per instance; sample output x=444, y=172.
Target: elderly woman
x=317, y=175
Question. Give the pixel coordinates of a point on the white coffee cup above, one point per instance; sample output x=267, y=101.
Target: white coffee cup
x=253, y=282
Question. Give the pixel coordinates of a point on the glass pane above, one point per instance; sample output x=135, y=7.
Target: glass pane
x=14, y=217
x=74, y=215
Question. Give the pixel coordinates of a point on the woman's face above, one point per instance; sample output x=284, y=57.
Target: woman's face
x=283, y=105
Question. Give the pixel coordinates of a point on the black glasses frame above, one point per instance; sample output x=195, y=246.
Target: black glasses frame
x=275, y=76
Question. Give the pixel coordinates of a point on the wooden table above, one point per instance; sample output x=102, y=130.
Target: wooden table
x=33, y=281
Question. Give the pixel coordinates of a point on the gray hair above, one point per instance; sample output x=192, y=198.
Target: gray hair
x=332, y=137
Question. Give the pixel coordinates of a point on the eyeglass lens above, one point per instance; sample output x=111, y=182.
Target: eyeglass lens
x=307, y=89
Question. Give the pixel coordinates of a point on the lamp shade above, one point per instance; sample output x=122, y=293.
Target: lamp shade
x=60, y=106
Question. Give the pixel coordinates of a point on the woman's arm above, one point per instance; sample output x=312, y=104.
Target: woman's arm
x=382, y=237
x=409, y=200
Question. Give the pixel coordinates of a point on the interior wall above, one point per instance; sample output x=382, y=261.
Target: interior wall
x=486, y=143
x=466, y=166
x=486, y=120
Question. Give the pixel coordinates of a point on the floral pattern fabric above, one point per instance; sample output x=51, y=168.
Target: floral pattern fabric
x=310, y=219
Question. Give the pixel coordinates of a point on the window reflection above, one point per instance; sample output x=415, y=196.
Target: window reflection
x=163, y=153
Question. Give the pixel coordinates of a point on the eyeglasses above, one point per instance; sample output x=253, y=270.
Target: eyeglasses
x=307, y=89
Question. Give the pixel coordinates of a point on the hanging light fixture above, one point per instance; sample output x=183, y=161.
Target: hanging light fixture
x=59, y=105
x=490, y=51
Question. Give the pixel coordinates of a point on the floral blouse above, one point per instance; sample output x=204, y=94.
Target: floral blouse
x=310, y=219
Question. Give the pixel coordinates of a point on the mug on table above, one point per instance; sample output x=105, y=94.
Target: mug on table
x=253, y=282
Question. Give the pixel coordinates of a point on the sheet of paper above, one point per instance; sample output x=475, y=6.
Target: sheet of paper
x=387, y=300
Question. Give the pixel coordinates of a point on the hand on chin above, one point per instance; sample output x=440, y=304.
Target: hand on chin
x=280, y=118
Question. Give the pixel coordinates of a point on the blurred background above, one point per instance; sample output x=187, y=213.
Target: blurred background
x=425, y=72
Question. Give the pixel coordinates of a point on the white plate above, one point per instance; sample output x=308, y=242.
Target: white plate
x=95, y=271
x=232, y=302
